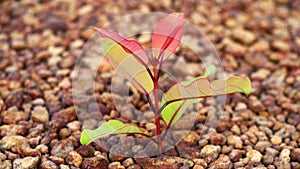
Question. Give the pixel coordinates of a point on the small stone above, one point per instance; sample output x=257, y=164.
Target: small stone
x=235, y=141
x=74, y=159
x=210, y=152
x=6, y=164
x=95, y=163
x=128, y=162
x=262, y=145
x=12, y=129
x=23, y=148
x=244, y=36
x=65, y=115
x=267, y=159
x=42, y=148
x=236, y=49
x=64, y=133
x=261, y=74
x=74, y=125
x=85, y=151
x=276, y=140
x=13, y=115
x=241, y=106
x=14, y=100
x=281, y=45
x=271, y=151
x=48, y=165
x=54, y=60
x=236, y=130
x=217, y=139
x=295, y=155
x=285, y=155
x=115, y=165
x=38, y=101
x=65, y=84
x=235, y=155
x=62, y=166
x=8, y=142
x=40, y=114
x=223, y=162
x=18, y=44
x=254, y=156
x=150, y=126
x=61, y=149
x=25, y=163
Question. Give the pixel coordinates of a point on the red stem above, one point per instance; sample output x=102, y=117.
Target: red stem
x=157, y=114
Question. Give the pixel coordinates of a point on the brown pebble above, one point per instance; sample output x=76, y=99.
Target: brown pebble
x=74, y=159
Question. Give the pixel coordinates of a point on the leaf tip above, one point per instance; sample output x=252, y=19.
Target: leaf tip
x=248, y=87
x=84, y=138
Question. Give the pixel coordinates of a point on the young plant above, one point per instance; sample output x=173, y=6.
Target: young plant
x=143, y=72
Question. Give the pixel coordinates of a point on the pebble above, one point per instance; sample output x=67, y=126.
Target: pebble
x=210, y=152
x=13, y=115
x=295, y=154
x=38, y=101
x=61, y=149
x=62, y=166
x=223, y=162
x=281, y=46
x=12, y=129
x=285, y=155
x=25, y=163
x=115, y=165
x=276, y=140
x=128, y=162
x=262, y=145
x=254, y=156
x=95, y=163
x=42, y=148
x=244, y=36
x=65, y=84
x=7, y=142
x=217, y=139
x=40, y=114
x=267, y=159
x=47, y=164
x=6, y=164
x=236, y=49
x=74, y=125
x=74, y=159
x=261, y=74
x=235, y=141
x=235, y=155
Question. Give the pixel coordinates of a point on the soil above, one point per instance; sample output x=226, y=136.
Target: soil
x=40, y=41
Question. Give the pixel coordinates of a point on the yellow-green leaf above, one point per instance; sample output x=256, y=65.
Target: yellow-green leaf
x=127, y=66
x=201, y=88
x=107, y=128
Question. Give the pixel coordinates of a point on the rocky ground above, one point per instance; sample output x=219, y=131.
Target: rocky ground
x=40, y=42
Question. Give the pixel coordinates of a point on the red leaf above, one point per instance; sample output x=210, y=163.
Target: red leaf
x=167, y=34
x=130, y=46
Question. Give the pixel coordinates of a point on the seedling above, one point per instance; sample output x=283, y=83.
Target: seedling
x=143, y=72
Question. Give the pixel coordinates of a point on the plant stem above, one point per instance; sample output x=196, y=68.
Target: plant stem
x=157, y=114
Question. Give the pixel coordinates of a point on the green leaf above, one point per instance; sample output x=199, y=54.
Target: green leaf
x=107, y=128
x=176, y=109
x=201, y=88
x=128, y=66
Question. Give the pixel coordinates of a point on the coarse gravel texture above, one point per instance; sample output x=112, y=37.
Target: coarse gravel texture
x=39, y=44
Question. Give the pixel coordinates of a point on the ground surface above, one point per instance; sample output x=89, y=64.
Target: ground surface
x=41, y=40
